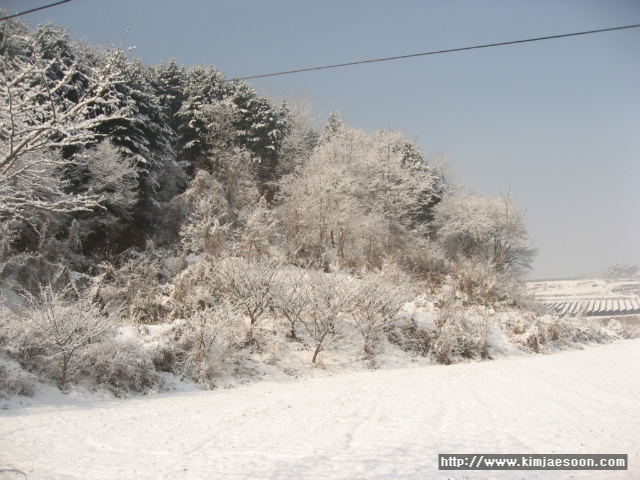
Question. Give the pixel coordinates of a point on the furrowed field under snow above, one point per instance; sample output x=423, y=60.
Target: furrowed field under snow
x=380, y=424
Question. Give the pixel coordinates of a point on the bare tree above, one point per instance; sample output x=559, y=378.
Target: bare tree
x=293, y=297
x=376, y=304
x=489, y=228
x=205, y=326
x=66, y=325
x=251, y=286
x=331, y=300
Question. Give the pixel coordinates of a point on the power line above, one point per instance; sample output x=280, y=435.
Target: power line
x=513, y=42
x=34, y=10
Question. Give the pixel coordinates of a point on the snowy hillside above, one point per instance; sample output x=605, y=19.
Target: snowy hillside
x=382, y=424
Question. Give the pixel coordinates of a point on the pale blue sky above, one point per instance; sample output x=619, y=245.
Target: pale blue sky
x=558, y=121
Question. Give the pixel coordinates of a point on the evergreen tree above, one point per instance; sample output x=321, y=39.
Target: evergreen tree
x=257, y=126
x=296, y=123
x=204, y=87
x=14, y=37
x=334, y=126
x=169, y=85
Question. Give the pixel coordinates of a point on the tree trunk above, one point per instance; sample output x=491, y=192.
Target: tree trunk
x=65, y=367
x=315, y=354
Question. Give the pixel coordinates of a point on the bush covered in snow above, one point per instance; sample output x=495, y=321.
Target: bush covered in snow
x=54, y=330
x=121, y=366
x=14, y=381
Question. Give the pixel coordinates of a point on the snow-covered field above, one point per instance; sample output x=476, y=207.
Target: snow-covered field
x=380, y=424
x=595, y=297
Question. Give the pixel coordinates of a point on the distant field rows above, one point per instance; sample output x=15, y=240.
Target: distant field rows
x=597, y=306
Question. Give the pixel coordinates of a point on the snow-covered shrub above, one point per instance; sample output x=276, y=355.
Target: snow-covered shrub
x=200, y=349
x=331, y=303
x=425, y=261
x=16, y=342
x=292, y=298
x=482, y=284
x=631, y=326
x=205, y=325
x=123, y=367
x=54, y=329
x=616, y=327
x=250, y=286
x=165, y=352
x=558, y=329
x=134, y=284
x=531, y=332
x=585, y=329
x=462, y=333
x=14, y=381
x=376, y=302
x=204, y=334
x=539, y=333
x=412, y=338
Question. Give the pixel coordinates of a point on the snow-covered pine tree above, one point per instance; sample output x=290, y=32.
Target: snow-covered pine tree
x=296, y=122
x=257, y=130
x=204, y=86
x=169, y=84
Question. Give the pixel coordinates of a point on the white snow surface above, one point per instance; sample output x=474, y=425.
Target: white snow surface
x=378, y=424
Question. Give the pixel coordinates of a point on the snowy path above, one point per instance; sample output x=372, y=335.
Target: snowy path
x=384, y=424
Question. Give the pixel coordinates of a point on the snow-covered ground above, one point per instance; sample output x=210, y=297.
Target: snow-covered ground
x=380, y=424
x=586, y=288
x=598, y=297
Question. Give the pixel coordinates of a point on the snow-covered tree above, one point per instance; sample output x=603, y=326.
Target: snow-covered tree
x=257, y=130
x=203, y=87
x=169, y=83
x=377, y=302
x=144, y=131
x=14, y=36
x=293, y=297
x=334, y=126
x=43, y=113
x=357, y=194
x=65, y=325
x=260, y=227
x=485, y=227
x=250, y=286
x=104, y=171
x=299, y=136
x=205, y=210
x=331, y=301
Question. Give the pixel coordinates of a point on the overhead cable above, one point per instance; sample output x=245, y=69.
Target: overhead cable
x=34, y=10
x=513, y=42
